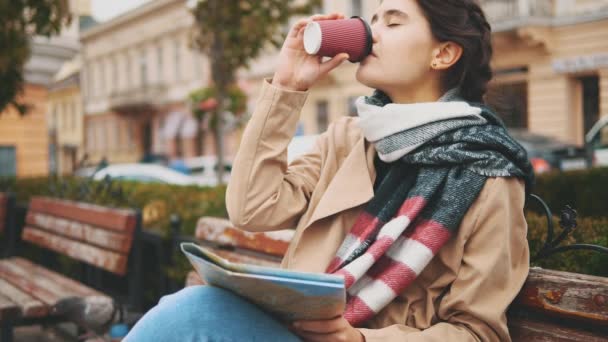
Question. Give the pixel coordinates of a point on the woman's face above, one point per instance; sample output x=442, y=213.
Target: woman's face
x=403, y=47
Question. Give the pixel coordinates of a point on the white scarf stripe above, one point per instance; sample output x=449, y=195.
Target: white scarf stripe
x=359, y=266
x=376, y=295
x=394, y=228
x=411, y=253
x=380, y=122
x=363, y=282
x=351, y=242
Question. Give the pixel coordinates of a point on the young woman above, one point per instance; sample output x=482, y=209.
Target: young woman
x=417, y=202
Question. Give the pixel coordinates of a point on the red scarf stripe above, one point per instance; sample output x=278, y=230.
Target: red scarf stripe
x=380, y=246
x=349, y=279
x=429, y=233
x=365, y=225
x=393, y=273
x=334, y=264
x=357, y=311
x=412, y=207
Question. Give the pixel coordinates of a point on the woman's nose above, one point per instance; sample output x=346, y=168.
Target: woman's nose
x=375, y=35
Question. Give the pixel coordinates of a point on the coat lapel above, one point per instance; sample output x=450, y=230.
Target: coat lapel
x=351, y=186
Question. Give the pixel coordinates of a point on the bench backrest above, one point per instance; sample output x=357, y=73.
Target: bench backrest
x=100, y=236
x=552, y=305
x=221, y=232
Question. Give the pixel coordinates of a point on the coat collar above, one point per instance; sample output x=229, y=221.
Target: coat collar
x=352, y=185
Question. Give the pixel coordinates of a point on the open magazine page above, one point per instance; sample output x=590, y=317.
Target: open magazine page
x=287, y=294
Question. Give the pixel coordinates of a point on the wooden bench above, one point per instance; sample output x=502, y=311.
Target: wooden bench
x=552, y=305
x=103, y=239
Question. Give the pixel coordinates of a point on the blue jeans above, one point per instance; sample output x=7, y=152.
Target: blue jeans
x=207, y=314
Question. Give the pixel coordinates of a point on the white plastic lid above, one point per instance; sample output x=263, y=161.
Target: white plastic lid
x=312, y=38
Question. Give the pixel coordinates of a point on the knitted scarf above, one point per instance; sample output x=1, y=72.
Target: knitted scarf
x=440, y=156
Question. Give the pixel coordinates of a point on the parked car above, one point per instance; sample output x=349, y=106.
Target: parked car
x=148, y=173
x=547, y=153
x=597, y=142
x=300, y=145
x=205, y=168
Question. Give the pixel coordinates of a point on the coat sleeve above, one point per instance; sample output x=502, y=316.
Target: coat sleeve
x=264, y=193
x=494, y=267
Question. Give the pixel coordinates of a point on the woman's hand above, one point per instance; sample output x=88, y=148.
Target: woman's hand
x=332, y=330
x=296, y=69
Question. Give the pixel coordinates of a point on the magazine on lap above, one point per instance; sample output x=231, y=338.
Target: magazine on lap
x=289, y=295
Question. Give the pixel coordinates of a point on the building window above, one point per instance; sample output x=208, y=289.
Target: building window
x=196, y=60
x=143, y=68
x=90, y=138
x=114, y=82
x=131, y=134
x=64, y=119
x=89, y=81
x=322, y=116
x=102, y=78
x=510, y=101
x=356, y=7
x=128, y=71
x=8, y=161
x=591, y=101
x=352, y=106
x=159, y=56
x=75, y=116
x=177, y=61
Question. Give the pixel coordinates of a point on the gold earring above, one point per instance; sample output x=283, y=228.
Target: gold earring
x=434, y=65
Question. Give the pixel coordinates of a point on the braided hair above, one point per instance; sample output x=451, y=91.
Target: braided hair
x=464, y=23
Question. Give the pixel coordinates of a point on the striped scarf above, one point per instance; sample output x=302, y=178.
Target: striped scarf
x=441, y=155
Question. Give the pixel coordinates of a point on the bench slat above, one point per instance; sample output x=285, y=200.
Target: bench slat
x=3, y=208
x=8, y=309
x=222, y=232
x=70, y=285
x=28, y=305
x=81, y=231
x=114, y=219
x=565, y=295
x=26, y=284
x=108, y=260
x=11, y=267
x=531, y=331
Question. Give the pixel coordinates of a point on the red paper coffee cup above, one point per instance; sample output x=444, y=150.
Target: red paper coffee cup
x=329, y=38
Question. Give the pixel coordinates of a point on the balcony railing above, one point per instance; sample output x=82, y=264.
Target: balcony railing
x=144, y=97
x=501, y=12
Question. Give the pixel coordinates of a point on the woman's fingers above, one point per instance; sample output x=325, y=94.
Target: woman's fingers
x=295, y=29
x=333, y=63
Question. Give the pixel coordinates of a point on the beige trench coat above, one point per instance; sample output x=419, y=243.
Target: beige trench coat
x=463, y=293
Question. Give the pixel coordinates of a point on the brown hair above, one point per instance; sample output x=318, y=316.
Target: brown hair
x=464, y=23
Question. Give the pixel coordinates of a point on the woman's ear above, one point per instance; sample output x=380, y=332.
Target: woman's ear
x=446, y=55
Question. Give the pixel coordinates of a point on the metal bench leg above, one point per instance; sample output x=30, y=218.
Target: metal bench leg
x=6, y=335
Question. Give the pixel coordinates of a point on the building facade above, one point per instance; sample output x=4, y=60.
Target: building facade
x=65, y=119
x=139, y=70
x=551, y=61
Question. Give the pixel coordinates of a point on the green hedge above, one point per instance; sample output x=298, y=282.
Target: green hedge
x=590, y=230
x=585, y=190
x=157, y=201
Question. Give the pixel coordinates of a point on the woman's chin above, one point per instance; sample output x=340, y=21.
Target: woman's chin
x=365, y=77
